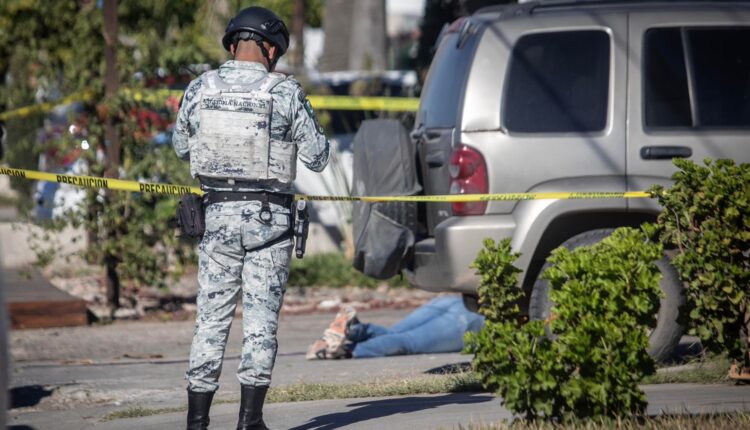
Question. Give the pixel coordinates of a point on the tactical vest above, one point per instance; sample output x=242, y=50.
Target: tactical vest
x=233, y=140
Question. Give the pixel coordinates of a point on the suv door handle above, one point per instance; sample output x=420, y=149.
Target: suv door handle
x=665, y=152
x=435, y=160
x=431, y=135
x=417, y=133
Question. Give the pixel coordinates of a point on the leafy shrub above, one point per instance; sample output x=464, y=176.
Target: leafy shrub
x=607, y=297
x=331, y=270
x=512, y=359
x=498, y=290
x=706, y=218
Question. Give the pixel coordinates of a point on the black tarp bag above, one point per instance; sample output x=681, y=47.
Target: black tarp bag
x=384, y=165
x=191, y=216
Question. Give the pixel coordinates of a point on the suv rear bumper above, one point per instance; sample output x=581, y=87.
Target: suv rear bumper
x=442, y=263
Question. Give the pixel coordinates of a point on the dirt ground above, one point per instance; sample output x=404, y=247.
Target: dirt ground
x=178, y=302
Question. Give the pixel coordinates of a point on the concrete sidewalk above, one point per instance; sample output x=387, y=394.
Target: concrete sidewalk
x=74, y=376
x=446, y=411
x=392, y=413
x=71, y=378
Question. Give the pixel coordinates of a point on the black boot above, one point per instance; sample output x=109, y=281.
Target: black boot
x=198, y=406
x=251, y=408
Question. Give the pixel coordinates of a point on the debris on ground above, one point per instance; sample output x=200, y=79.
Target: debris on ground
x=178, y=302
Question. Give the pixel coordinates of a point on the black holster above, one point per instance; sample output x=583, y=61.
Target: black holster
x=191, y=216
x=301, y=228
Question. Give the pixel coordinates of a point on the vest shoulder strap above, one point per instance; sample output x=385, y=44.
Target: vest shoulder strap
x=271, y=81
x=212, y=80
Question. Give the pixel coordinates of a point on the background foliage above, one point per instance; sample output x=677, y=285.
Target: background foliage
x=54, y=49
x=706, y=218
x=285, y=9
x=606, y=298
x=332, y=270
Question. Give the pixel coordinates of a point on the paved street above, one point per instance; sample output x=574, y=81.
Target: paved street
x=404, y=413
x=442, y=410
x=70, y=378
x=74, y=376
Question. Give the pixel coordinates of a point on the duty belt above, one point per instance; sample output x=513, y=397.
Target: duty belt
x=234, y=184
x=284, y=200
x=265, y=216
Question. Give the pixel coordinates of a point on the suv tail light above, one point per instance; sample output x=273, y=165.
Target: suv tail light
x=468, y=176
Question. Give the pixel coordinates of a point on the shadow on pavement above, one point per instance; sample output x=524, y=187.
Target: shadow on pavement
x=381, y=408
x=450, y=369
x=29, y=395
x=21, y=427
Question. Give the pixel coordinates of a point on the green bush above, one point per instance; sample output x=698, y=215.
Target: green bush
x=498, y=290
x=332, y=270
x=607, y=297
x=515, y=360
x=706, y=218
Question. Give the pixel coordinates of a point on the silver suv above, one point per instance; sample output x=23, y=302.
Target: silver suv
x=572, y=96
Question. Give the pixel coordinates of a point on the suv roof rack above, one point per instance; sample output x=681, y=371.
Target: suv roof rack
x=527, y=8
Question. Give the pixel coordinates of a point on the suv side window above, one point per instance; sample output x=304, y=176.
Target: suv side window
x=558, y=82
x=443, y=89
x=697, y=77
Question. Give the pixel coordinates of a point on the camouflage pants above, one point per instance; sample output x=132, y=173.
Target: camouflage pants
x=229, y=265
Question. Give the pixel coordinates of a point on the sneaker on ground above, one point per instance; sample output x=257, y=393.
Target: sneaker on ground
x=317, y=351
x=335, y=334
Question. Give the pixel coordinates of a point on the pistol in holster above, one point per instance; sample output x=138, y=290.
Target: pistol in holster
x=301, y=227
x=191, y=216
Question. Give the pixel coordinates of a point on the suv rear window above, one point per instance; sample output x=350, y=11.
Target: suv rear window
x=697, y=77
x=441, y=96
x=558, y=82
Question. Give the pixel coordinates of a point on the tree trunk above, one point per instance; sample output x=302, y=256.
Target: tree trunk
x=112, y=141
x=111, y=86
x=298, y=32
x=356, y=37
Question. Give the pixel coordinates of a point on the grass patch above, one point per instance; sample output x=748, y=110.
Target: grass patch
x=139, y=411
x=457, y=383
x=662, y=422
x=332, y=270
x=462, y=382
x=702, y=371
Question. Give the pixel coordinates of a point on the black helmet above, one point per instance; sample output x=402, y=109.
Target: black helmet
x=260, y=21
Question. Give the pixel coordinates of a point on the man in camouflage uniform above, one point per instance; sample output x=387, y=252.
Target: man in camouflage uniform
x=246, y=248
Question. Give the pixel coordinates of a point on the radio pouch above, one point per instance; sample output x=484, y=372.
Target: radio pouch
x=191, y=216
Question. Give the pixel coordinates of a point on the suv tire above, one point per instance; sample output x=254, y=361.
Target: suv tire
x=471, y=302
x=664, y=338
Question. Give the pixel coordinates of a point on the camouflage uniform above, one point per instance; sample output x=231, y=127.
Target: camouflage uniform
x=230, y=260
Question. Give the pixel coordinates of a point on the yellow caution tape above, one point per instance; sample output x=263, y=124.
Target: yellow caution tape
x=391, y=104
x=43, y=107
x=152, y=97
x=155, y=97
x=177, y=190
x=97, y=182
x=465, y=198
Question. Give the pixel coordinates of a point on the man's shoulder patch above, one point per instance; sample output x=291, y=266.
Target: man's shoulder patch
x=308, y=108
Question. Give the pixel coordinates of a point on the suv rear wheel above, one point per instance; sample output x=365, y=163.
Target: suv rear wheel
x=664, y=338
x=471, y=302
